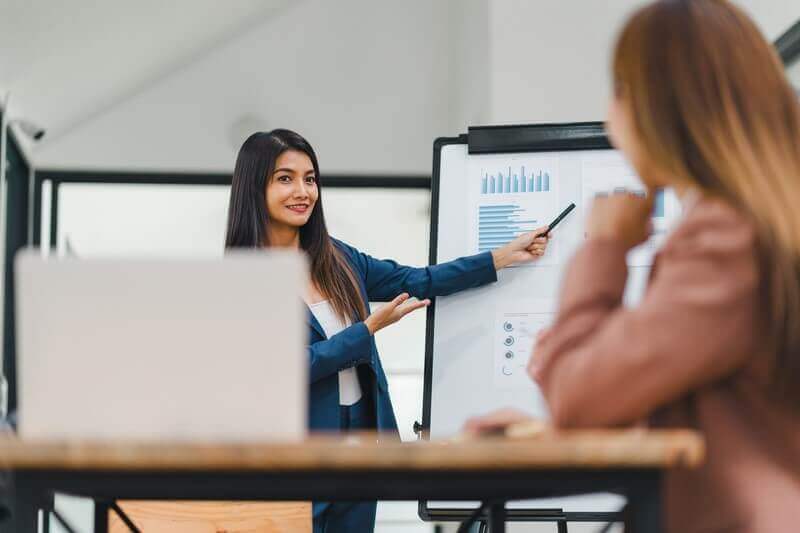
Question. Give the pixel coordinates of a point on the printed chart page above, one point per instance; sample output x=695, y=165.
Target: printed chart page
x=605, y=173
x=512, y=195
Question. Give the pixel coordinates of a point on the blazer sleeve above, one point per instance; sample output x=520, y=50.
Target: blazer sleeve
x=384, y=279
x=603, y=364
x=350, y=347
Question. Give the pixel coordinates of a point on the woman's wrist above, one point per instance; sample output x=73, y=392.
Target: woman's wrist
x=371, y=327
x=607, y=244
x=501, y=258
x=609, y=237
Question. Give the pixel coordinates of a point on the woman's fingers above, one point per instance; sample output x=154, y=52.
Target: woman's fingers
x=522, y=241
x=411, y=306
x=387, y=314
x=543, y=334
x=534, y=364
x=399, y=299
x=534, y=237
x=538, y=244
x=537, y=249
x=538, y=232
x=391, y=308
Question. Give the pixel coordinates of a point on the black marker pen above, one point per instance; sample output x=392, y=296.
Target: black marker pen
x=558, y=219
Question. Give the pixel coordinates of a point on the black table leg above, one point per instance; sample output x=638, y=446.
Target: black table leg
x=27, y=502
x=497, y=518
x=49, y=504
x=644, y=506
x=101, y=508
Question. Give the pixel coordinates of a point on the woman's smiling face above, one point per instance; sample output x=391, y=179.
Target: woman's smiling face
x=292, y=190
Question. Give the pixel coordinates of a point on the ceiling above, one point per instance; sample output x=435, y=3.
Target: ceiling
x=65, y=62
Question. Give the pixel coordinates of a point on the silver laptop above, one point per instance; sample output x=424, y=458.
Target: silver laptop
x=200, y=349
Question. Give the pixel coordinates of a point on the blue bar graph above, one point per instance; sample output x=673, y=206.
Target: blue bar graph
x=658, y=204
x=508, y=182
x=500, y=224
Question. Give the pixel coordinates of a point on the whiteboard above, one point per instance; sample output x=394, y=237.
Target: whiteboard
x=480, y=340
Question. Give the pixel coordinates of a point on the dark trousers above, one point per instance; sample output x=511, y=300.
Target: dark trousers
x=339, y=517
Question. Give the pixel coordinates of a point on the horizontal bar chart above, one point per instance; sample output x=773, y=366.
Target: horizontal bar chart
x=500, y=224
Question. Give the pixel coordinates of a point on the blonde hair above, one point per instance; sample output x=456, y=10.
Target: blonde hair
x=712, y=107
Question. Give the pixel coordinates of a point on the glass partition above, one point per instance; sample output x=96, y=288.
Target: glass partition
x=129, y=219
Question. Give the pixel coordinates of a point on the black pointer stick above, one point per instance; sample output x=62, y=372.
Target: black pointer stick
x=558, y=219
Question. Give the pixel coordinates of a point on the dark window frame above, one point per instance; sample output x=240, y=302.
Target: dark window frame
x=57, y=177
x=18, y=173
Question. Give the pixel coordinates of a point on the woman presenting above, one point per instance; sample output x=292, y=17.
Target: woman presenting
x=276, y=202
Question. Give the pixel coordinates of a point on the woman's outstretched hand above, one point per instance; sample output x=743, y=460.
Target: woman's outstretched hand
x=391, y=312
x=524, y=249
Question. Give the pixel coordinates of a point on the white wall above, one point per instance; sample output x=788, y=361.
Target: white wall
x=371, y=84
x=549, y=61
x=365, y=82
x=469, y=83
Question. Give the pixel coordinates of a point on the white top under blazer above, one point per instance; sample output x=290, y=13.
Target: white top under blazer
x=349, y=388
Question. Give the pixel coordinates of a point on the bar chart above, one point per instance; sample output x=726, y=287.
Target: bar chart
x=658, y=204
x=501, y=223
x=658, y=199
x=512, y=195
x=510, y=182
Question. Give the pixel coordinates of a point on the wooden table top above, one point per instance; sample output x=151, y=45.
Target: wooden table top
x=584, y=449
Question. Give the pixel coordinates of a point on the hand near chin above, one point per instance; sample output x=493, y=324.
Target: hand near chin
x=622, y=217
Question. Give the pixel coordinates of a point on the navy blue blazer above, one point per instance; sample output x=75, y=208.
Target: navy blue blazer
x=379, y=281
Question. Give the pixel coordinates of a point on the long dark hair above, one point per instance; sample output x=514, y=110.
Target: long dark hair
x=248, y=218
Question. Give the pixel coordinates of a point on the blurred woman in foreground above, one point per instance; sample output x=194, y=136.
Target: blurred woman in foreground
x=701, y=104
